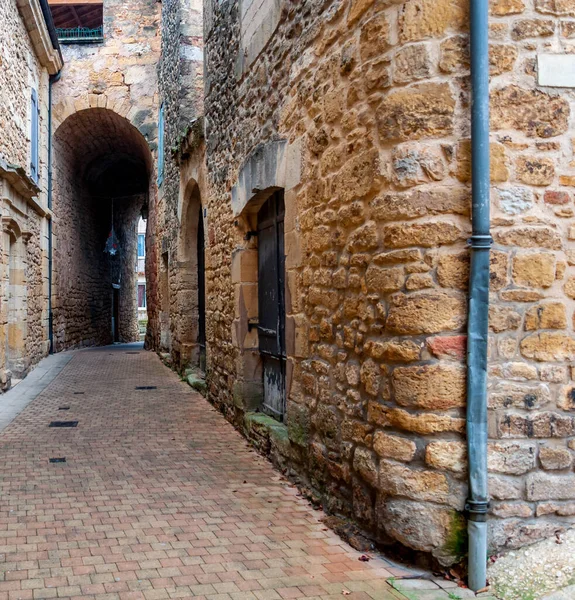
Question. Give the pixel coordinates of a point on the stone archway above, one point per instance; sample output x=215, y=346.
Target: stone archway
x=190, y=302
x=102, y=167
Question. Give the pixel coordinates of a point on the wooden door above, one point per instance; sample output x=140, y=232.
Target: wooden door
x=271, y=296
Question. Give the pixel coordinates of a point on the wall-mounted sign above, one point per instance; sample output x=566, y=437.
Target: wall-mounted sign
x=556, y=70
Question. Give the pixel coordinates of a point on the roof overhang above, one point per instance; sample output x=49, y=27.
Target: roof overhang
x=38, y=29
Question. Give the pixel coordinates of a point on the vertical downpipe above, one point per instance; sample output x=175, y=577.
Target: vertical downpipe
x=477, y=329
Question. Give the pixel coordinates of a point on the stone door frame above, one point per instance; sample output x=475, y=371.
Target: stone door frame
x=270, y=167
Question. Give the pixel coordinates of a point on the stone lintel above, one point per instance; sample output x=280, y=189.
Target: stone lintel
x=270, y=166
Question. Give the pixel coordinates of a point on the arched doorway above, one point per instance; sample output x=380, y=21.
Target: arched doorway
x=191, y=272
x=102, y=166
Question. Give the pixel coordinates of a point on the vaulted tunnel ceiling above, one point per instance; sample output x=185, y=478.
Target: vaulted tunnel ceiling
x=107, y=151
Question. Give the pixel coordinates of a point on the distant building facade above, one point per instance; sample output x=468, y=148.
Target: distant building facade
x=106, y=113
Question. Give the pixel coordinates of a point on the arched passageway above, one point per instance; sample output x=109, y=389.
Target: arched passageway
x=101, y=187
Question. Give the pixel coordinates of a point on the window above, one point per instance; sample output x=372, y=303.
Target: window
x=141, y=295
x=161, y=145
x=141, y=245
x=34, y=136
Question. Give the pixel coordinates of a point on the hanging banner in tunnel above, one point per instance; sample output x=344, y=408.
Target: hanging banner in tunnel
x=112, y=245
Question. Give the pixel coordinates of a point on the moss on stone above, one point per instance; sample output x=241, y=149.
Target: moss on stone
x=298, y=434
x=263, y=422
x=252, y=418
x=456, y=544
x=298, y=424
x=197, y=383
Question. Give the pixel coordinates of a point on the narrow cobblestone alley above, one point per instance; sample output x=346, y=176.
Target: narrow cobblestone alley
x=159, y=497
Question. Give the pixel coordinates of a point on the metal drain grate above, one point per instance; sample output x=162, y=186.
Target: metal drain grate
x=64, y=424
x=146, y=387
x=63, y=408
x=60, y=459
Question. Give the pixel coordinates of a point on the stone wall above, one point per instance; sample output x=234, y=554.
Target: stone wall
x=23, y=277
x=105, y=114
x=81, y=274
x=119, y=74
x=19, y=72
x=173, y=305
x=86, y=146
x=128, y=212
x=375, y=214
x=370, y=100
x=28, y=58
x=531, y=401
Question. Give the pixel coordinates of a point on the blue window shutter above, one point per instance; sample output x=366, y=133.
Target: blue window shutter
x=34, y=134
x=161, y=146
x=141, y=246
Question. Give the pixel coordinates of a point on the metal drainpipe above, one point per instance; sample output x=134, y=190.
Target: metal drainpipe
x=477, y=329
x=53, y=79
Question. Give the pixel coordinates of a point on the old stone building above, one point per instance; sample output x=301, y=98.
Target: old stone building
x=305, y=172
x=105, y=130
x=29, y=56
x=174, y=326
x=334, y=180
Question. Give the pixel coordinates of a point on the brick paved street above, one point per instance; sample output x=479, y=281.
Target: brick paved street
x=159, y=497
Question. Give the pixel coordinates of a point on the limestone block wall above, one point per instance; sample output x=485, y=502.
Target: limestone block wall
x=19, y=72
x=82, y=301
x=127, y=215
x=23, y=293
x=375, y=94
x=117, y=81
x=531, y=354
x=374, y=223
x=87, y=146
x=26, y=62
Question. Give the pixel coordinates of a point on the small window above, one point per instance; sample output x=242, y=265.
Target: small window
x=34, y=136
x=141, y=245
x=161, y=145
x=141, y=295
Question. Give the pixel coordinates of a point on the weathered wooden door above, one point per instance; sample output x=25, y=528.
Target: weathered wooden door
x=271, y=296
x=201, y=292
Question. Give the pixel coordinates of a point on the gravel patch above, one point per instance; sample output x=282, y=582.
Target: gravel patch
x=535, y=572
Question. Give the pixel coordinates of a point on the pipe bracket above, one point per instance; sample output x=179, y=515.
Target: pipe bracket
x=477, y=510
x=480, y=242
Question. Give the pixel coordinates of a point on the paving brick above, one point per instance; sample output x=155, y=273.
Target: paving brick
x=159, y=498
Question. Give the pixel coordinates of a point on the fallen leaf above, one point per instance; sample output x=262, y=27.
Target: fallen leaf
x=364, y=558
